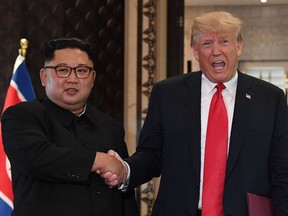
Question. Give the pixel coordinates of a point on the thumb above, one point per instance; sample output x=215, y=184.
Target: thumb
x=112, y=153
x=115, y=154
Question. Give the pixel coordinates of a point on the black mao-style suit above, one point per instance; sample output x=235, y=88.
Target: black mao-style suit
x=51, y=151
x=169, y=145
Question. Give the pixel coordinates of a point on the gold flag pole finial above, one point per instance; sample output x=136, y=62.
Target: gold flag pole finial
x=24, y=45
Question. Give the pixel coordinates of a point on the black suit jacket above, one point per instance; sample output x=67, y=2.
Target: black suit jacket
x=51, y=153
x=169, y=146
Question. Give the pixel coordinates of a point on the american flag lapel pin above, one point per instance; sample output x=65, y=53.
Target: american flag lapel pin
x=248, y=96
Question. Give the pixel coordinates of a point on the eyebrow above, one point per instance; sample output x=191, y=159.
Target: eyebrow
x=79, y=65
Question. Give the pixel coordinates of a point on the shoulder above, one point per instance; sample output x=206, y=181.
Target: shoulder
x=180, y=79
x=258, y=85
x=100, y=117
x=178, y=83
x=24, y=107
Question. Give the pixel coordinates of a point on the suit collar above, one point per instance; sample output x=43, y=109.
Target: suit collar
x=66, y=117
x=191, y=116
x=192, y=79
x=241, y=119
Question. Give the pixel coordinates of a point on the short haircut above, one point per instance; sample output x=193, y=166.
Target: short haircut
x=218, y=21
x=62, y=43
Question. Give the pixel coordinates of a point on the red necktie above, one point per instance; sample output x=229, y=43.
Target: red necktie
x=215, y=156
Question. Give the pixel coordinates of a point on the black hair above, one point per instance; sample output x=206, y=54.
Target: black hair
x=62, y=43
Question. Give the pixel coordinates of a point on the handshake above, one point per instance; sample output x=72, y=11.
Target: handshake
x=111, y=168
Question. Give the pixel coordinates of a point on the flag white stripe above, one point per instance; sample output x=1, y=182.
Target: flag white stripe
x=15, y=86
x=6, y=199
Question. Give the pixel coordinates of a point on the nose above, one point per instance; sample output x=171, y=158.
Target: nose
x=72, y=77
x=216, y=49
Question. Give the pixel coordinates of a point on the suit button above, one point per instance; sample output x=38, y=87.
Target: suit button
x=85, y=144
x=97, y=192
x=76, y=176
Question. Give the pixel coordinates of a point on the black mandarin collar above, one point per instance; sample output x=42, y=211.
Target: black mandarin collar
x=66, y=117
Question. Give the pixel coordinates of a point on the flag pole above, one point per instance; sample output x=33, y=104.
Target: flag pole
x=23, y=47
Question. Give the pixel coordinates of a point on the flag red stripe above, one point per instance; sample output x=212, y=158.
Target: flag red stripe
x=11, y=98
x=5, y=183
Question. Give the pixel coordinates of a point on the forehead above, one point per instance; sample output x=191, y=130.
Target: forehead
x=71, y=56
x=214, y=35
x=69, y=53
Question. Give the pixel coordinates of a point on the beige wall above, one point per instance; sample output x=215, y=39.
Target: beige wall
x=130, y=68
x=130, y=85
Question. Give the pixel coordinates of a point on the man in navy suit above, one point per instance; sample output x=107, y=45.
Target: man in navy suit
x=172, y=140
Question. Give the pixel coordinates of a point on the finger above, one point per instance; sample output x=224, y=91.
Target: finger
x=106, y=175
x=112, y=178
x=112, y=183
x=116, y=155
x=112, y=152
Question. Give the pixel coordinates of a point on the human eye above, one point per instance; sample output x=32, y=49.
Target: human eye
x=224, y=42
x=62, y=69
x=82, y=70
x=207, y=44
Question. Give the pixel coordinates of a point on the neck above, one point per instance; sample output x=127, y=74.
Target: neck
x=80, y=111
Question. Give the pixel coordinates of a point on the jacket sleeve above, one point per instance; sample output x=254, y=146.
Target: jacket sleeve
x=278, y=165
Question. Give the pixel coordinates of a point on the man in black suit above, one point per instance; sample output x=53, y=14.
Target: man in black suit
x=56, y=146
x=173, y=138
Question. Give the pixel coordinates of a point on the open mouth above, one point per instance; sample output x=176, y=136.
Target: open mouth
x=218, y=65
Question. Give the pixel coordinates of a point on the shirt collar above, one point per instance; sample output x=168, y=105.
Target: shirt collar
x=208, y=86
x=84, y=109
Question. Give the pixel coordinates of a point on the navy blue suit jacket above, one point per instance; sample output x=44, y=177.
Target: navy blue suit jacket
x=169, y=146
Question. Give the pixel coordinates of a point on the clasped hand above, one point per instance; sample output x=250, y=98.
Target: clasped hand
x=111, y=168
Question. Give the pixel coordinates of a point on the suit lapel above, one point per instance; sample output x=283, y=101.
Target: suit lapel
x=240, y=124
x=192, y=117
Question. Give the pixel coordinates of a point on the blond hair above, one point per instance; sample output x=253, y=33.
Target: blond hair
x=218, y=21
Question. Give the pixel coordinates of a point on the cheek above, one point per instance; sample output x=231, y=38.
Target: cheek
x=203, y=58
x=205, y=54
x=53, y=84
x=89, y=85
